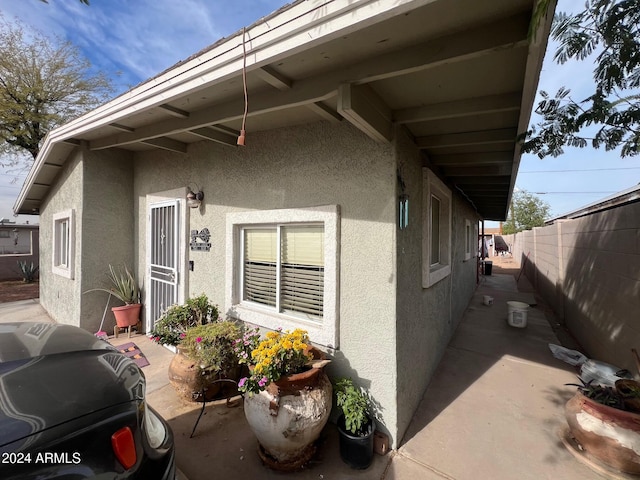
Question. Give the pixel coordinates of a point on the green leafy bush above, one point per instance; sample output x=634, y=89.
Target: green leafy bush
x=171, y=328
x=354, y=405
x=212, y=345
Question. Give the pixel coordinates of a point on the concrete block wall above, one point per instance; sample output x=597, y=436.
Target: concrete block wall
x=28, y=251
x=588, y=270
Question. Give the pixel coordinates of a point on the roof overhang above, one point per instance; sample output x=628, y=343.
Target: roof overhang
x=459, y=75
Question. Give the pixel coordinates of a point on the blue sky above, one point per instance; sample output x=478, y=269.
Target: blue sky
x=132, y=40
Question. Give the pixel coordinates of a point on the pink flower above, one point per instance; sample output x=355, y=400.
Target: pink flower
x=242, y=382
x=182, y=335
x=263, y=381
x=198, y=340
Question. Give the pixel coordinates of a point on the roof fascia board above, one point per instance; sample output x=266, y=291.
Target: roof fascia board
x=297, y=29
x=537, y=50
x=446, y=49
x=292, y=32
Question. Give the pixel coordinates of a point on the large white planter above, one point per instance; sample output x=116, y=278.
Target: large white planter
x=287, y=420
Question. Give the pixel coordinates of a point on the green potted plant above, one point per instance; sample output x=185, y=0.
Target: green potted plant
x=125, y=288
x=287, y=391
x=172, y=326
x=205, y=356
x=204, y=346
x=355, y=424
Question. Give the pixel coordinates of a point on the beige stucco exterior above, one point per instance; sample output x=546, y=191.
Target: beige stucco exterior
x=98, y=190
x=391, y=331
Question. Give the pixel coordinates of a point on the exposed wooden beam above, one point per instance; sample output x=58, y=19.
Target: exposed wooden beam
x=486, y=137
x=176, y=112
x=223, y=129
x=364, y=108
x=472, y=159
x=459, y=108
x=167, y=144
x=325, y=112
x=71, y=141
x=486, y=171
x=274, y=78
x=463, y=181
x=123, y=128
x=504, y=34
x=215, y=135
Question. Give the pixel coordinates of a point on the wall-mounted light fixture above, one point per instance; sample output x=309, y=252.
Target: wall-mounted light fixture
x=194, y=200
x=403, y=204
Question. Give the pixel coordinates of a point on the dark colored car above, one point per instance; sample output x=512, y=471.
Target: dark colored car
x=73, y=407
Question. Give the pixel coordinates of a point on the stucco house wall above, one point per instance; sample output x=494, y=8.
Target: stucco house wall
x=426, y=317
x=108, y=231
x=314, y=164
x=97, y=187
x=596, y=267
x=61, y=296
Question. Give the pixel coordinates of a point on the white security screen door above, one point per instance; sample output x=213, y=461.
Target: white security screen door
x=162, y=258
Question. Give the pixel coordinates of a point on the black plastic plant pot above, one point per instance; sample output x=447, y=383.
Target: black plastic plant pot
x=355, y=450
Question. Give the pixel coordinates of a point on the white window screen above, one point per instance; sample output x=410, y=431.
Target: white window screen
x=302, y=270
x=260, y=262
x=283, y=268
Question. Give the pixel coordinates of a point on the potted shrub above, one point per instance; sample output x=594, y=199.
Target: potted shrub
x=289, y=396
x=206, y=355
x=355, y=424
x=204, y=345
x=604, y=421
x=125, y=288
x=171, y=328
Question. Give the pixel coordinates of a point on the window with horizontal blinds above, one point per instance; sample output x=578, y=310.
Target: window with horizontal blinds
x=302, y=270
x=283, y=267
x=260, y=262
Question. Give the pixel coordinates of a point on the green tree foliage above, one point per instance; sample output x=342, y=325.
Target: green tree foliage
x=527, y=211
x=607, y=34
x=44, y=82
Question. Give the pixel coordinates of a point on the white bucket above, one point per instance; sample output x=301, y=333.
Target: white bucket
x=517, y=314
x=487, y=300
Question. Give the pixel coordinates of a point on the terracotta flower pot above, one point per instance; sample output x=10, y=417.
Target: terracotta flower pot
x=127, y=315
x=189, y=380
x=608, y=434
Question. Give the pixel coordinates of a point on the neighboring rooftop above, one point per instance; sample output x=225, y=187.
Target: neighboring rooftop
x=624, y=197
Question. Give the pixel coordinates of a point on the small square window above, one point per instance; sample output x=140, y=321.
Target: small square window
x=63, y=243
x=436, y=229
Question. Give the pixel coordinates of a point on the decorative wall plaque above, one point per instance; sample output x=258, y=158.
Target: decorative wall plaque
x=200, y=240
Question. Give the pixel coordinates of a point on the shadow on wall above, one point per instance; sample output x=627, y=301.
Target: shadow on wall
x=600, y=294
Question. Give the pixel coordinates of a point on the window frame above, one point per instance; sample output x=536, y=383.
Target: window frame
x=323, y=332
x=59, y=267
x=434, y=187
x=468, y=237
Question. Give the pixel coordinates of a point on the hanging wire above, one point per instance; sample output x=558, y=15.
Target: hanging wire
x=244, y=83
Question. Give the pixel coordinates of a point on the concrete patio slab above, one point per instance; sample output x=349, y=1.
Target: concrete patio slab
x=493, y=410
